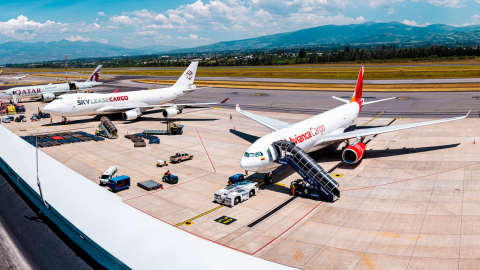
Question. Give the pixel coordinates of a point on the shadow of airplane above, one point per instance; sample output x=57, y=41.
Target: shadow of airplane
x=247, y=137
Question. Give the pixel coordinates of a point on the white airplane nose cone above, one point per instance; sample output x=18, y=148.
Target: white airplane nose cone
x=248, y=164
x=52, y=108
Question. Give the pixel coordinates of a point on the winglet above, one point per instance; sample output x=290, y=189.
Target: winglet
x=225, y=100
x=238, y=108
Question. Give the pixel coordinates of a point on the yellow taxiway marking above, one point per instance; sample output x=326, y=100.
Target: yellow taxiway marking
x=337, y=175
x=280, y=184
x=216, y=108
x=201, y=215
x=397, y=118
x=373, y=118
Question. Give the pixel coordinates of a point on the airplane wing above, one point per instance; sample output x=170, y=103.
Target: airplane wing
x=164, y=106
x=271, y=123
x=372, y=131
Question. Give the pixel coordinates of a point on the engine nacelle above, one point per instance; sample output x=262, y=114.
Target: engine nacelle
x=132, y=114
x=170, y=112
x=353, y=153
x=47, y=97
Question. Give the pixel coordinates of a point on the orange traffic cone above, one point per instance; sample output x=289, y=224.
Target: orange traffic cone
x=473, y=141
x=234, y=128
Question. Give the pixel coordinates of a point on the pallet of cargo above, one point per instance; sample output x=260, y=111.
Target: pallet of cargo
x=149, y=185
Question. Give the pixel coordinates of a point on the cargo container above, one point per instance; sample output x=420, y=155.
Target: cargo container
x=119, y=183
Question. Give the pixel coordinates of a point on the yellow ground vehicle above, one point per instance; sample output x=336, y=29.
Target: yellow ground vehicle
x=11, y=109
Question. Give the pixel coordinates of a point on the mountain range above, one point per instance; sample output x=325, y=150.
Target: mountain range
x=354, y=34
x=337, y=35
x=20, y=52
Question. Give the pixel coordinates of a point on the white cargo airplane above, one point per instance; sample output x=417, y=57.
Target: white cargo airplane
x=20, y=77
x=49, y=91
x=319, y=132
x=131, y=104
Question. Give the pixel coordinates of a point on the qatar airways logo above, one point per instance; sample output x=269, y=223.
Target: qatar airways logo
x=95, y=75
x=100, y=100
x=27, y=91
x=314, y=131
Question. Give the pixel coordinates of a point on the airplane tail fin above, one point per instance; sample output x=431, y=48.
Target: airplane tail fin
x=357, y=96
x=188, y=77
x=95, y=75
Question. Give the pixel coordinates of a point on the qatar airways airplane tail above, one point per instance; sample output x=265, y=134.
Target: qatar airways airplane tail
x=95, y=75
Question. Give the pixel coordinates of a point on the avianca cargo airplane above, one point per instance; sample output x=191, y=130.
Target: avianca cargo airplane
x=48, y=92
x=131, y=104
x=319, y=132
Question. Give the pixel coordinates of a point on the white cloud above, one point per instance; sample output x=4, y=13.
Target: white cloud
x=78, y=38
x=391, y=11
x=101, y=13
x=447, y=3
x=22, y=28
x=414, y=23
x=476, y=20
x=104, y=41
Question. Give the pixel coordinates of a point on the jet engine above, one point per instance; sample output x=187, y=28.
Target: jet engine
x=46, y=97
x=353, y=153
x=132, y=114
x=170, y=112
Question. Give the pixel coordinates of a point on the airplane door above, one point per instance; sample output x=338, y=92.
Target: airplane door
x=272, y=153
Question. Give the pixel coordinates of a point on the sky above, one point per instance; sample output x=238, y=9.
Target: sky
x=191, y=23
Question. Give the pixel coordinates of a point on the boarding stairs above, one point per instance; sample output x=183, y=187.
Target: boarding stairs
x=107, y=128
x=290, y=154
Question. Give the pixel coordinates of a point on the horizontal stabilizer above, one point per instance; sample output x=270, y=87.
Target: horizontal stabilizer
x=375, y=101
x=341, y=99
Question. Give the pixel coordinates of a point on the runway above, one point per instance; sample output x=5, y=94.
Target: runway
x=327, y=81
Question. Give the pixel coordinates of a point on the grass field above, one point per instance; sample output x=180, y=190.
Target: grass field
x=330, y=87
x=416, y=72
x=420, y=70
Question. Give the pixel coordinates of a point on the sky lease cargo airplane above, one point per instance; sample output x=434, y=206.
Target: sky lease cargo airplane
x=318, y=132
x=49, y=91
x=131, y=104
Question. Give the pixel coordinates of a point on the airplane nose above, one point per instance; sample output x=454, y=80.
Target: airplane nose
x=52, y=108
x=248, y=164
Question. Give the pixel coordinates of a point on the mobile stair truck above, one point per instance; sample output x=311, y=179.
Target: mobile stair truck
x=107, y=129
x=321, y=185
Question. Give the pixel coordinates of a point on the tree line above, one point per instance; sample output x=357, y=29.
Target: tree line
x=278, y=56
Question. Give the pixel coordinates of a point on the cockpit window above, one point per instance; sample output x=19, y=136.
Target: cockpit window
x=249, y=154
x=259, y=154
x=59, y=98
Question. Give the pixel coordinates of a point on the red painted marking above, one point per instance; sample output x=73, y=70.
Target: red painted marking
x=179, y=184
x=213, y=167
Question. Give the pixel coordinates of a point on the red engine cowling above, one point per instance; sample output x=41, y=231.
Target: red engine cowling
x=353, y=154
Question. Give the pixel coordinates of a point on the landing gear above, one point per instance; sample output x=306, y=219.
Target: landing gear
x=268, y=178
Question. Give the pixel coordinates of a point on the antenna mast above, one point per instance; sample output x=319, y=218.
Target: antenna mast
x=66, y=69
x=38, y=178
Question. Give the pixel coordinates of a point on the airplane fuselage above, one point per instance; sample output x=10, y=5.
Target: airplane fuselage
x=38, y=90
x=96, y=104
x=305, y=134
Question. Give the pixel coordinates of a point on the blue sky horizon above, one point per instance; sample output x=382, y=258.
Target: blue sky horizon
x=191, y=23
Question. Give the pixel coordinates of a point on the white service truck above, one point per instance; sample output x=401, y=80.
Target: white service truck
x=237, y=193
